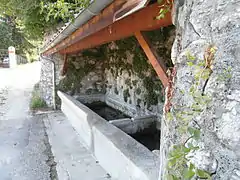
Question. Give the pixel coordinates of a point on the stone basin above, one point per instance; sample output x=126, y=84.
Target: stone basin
x=117, y=152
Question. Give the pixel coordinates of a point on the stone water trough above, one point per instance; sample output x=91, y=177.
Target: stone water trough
x=122, y=145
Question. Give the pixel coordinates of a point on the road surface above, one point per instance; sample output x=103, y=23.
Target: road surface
x=25, y=153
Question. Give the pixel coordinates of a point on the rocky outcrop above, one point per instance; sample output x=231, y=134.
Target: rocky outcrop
x=207, y=39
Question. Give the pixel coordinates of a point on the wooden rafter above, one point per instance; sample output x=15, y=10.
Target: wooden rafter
x=153, y=57
x=143, y=20
x=65, y=65
x=105, y=18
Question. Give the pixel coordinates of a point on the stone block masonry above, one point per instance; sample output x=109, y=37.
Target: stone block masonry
x=48, y=69
x=121, y=71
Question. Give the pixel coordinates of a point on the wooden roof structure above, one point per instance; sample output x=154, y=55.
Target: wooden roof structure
x=121, y=19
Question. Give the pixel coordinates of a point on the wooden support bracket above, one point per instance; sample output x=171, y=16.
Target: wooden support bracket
x=153, y=57
x=65, y=65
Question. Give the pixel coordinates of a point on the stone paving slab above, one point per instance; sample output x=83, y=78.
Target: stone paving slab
x=73, y=160
x=24, y=153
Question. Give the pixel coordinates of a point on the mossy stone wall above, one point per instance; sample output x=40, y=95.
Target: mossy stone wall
x=122, y=71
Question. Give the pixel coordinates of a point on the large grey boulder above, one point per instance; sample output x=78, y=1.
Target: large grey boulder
x=200, y=24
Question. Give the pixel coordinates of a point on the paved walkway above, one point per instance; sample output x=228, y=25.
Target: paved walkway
x=73, y=160
x=25, y=151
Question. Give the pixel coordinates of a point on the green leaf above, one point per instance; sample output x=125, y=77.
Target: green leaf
x=196, y=134
x=171, y=177
x=186, y=150
x=202, y=174
x=191, y=166
x=170, y=116
x=190, y=131
x=190, y=57
x=192, y=89
x=159, y=1
x=188, y=173
x=172, y=162
x=190, y=64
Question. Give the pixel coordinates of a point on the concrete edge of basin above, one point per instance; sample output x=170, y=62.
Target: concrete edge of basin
x=118, y=153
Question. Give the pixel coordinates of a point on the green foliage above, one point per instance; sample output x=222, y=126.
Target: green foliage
x=128, y=82
x=134, y=82
x=36, y=101
x=151, y=97
x=34, y=17
x=126, y=95
x=139, y=102
x=116, y=91
x=10, y=35
x=164, y=8
x=140, y=62
x=138, y=91
x=63, y=9
x=98, y=54
x=73, y=77
x=226, y=75
x=140, y=67
x=179, y=166
x=5, y=36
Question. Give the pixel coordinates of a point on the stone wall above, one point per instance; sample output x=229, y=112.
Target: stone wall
x=131, y=79
x=85, y=74
x=206, y=59
x=46, y=78
x=121, y=71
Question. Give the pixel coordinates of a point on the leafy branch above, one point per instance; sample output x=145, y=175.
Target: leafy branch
x=164, y=8
x=179, y=166
x=63, y=9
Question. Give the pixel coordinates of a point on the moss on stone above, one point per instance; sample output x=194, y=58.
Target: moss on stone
x=138, y=91
x=126, y=95
x=130, y=101
x=140, y=62
x=128, y=82
x=134, y=82
x=151, y=97
x=139, y=102
x=115, y=60
x=97, y=53
x=72, y=81
x=116, y=91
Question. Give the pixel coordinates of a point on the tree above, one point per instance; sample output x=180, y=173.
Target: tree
x=34, y=17
x=5, y=36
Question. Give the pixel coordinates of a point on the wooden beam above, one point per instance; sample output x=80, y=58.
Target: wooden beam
x=153, y=57
x=105, y=18
x=65, y=65
x=130, y=7
x=143, y=20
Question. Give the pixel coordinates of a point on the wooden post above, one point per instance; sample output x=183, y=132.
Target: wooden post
x=65, y=65
x=153, y=57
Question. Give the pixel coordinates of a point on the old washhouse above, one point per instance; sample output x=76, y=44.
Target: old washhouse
x=109, y=69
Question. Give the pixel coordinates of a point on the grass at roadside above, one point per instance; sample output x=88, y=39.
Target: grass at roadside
x=37, y=102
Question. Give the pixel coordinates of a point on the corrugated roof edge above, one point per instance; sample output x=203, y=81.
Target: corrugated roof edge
x=92, y=10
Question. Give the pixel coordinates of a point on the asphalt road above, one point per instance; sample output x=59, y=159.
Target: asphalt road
x=25, y=153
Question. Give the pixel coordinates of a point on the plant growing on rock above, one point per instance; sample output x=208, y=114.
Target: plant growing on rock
x=179, y=166
x=164, y=8
x=37, y=102
x=126, y=95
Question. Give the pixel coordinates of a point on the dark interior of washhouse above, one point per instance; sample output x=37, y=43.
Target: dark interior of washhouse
x=121, y=70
